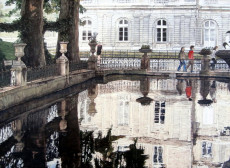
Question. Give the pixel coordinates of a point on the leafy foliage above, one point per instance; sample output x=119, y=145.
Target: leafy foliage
x=18, y=6
x=7, y=50
x=51, y=6
x=87, y=146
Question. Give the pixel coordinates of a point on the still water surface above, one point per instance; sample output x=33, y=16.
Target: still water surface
x=176, y=123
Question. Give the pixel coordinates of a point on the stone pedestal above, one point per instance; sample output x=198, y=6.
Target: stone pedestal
x=92, y=61
x=18, y=74
x=63, y=65
x=145, y=61
x=205, y=65
x=205, y=62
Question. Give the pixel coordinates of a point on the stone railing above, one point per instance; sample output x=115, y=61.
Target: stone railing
x=19, y=74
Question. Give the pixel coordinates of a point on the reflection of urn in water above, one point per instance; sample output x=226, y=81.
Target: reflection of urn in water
x=18, y=135
x=63, y=112
x=92, y=93
x=204, y=91
x=144, y=88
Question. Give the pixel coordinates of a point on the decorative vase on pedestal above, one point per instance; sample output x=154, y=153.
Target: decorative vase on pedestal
x=62, y=61
x=92, y=62
x=19, y=70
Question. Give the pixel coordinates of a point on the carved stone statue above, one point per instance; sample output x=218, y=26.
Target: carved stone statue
x=93, y=38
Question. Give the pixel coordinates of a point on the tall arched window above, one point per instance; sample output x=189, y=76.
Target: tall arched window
x=87, y=30
x=123, y=30
x=161, y=30
x=209, y=33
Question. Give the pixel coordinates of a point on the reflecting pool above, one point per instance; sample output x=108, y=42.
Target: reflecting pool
x=122, y=121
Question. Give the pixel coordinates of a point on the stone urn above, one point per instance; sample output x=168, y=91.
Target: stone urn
x=145, y=61
x=205, y=62
x=225, y=55
x=19, y=50
x=92, y=45
x=63, y=47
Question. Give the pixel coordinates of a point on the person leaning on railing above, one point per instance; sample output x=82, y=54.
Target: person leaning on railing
x=191, y=58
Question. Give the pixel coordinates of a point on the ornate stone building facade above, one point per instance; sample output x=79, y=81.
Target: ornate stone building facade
x=162, y=24
x=171, y=129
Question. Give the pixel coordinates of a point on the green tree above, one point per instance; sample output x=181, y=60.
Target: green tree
x=32, y=27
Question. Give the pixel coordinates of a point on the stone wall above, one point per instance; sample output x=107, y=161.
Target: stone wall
x=41, y=88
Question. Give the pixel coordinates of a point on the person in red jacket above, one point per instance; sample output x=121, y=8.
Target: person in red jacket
x=191, y=58
x=188, y=90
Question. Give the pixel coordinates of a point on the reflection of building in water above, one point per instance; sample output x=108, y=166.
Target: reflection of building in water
x=118, y=86
x=123, y=110
x=167, y=119
x=161, y=154
x=83, y=107
x=212, y=146
x=164, y=126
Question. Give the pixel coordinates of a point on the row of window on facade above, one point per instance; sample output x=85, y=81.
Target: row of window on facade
x=155, y=1
x=158, y=161
x=161, y=31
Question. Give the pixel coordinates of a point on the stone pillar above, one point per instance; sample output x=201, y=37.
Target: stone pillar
x=205, y=64
x=63, y=65
x=18, y=69
x=145, y=62
x=62, y=61
x=18, y=74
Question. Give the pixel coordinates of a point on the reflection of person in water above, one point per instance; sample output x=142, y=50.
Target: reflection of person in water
x=188, y=89
x=179, y=86
x=213, y=91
